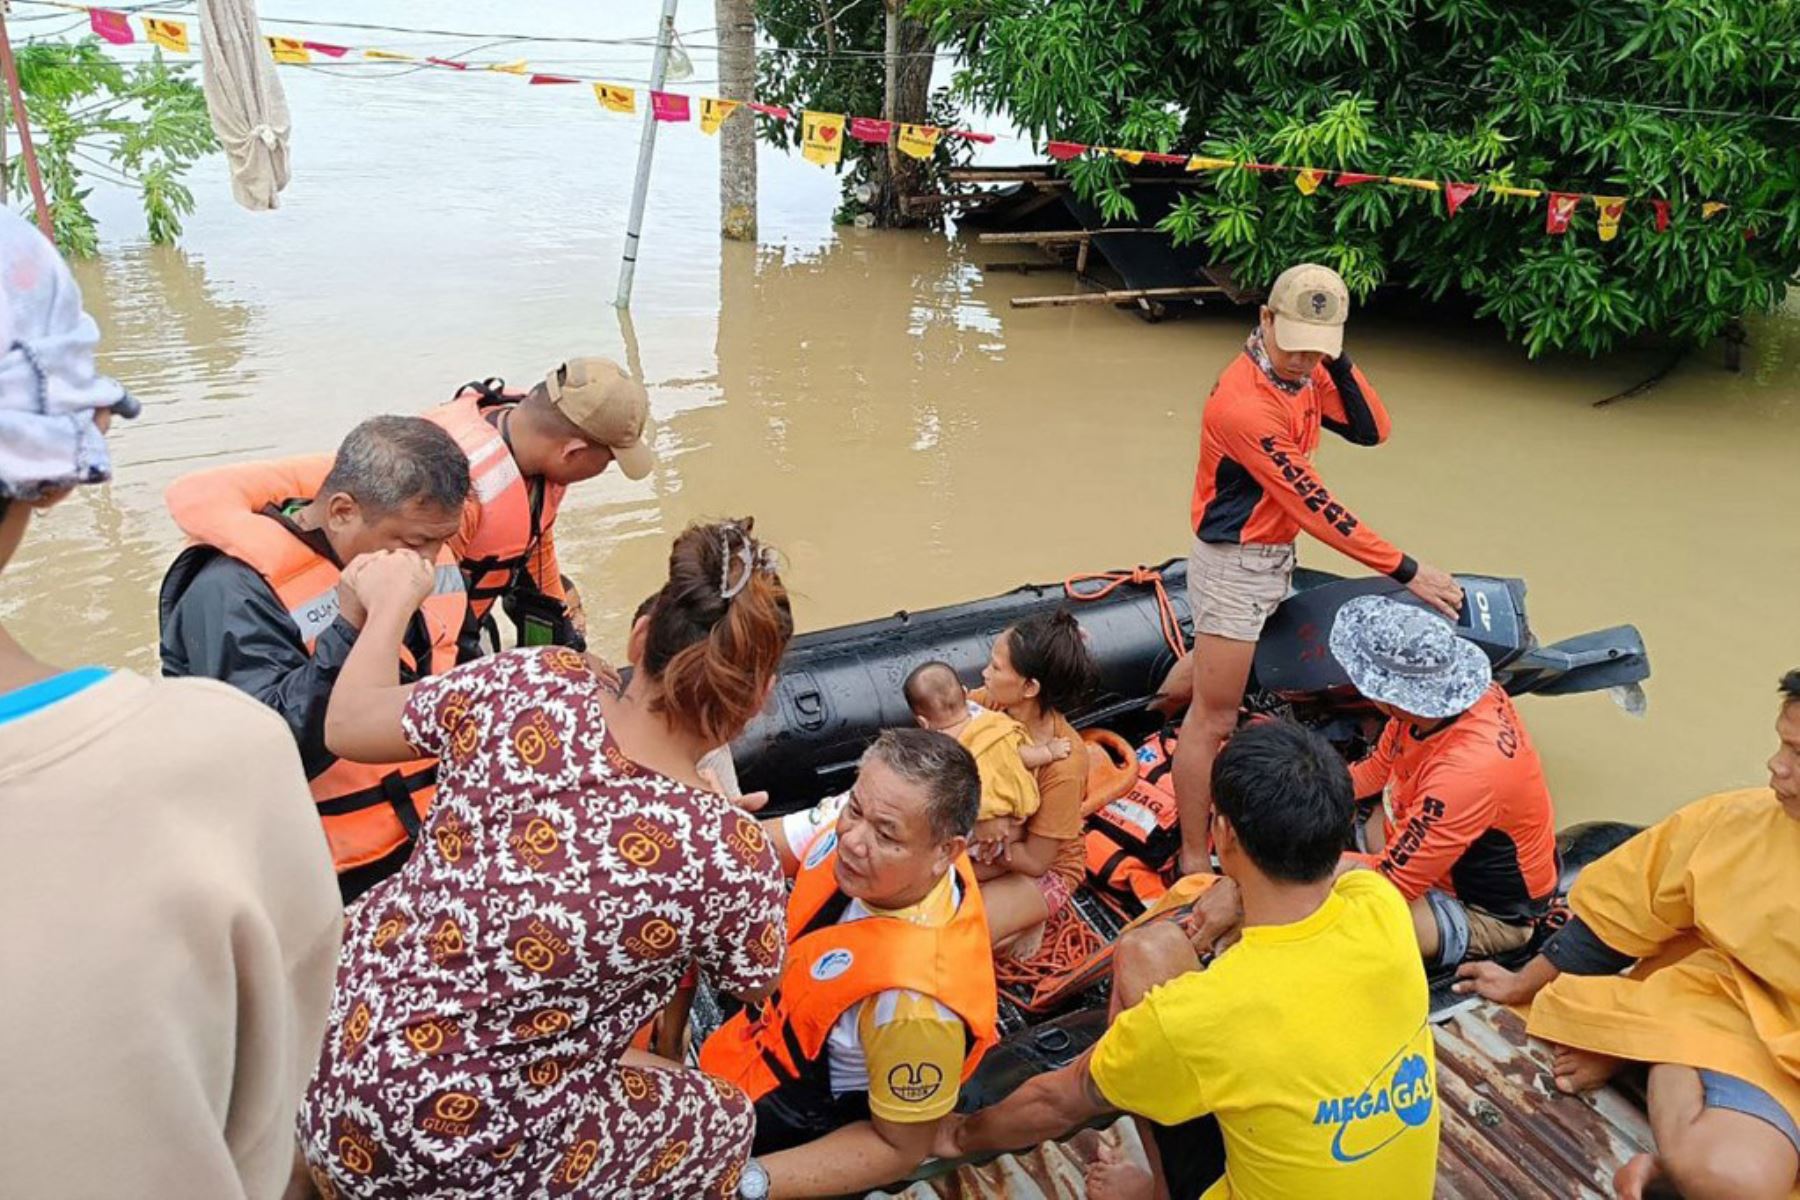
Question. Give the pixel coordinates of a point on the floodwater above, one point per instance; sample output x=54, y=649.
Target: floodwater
x=906, y=438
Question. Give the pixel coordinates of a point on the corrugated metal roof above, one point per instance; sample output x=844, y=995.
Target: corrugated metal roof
x=1508, y=1132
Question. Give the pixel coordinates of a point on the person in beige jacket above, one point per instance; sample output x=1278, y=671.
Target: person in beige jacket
x=169, y=920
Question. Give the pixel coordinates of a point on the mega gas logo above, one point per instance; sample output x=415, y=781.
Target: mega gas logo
x=1385, y=1110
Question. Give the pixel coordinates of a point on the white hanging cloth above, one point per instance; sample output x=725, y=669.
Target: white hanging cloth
x=243, y=95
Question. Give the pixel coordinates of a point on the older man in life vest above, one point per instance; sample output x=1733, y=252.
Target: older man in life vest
x=254, y=601
x=524, y=450
x=887, y=1001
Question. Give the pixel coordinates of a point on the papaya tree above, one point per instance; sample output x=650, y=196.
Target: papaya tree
x=139, y=125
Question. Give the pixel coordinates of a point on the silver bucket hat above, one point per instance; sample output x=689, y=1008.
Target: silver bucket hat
x=1408, y=657
x=50, y=388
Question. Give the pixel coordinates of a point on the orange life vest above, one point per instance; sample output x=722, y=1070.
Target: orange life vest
x=509, y=529
x=1132, y=839
x=832, y=966
x=369, y=810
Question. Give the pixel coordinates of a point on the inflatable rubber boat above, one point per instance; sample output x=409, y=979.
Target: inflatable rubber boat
x=840, y=687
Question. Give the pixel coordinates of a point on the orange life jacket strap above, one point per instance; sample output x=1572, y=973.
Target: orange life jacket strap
x=395, y=788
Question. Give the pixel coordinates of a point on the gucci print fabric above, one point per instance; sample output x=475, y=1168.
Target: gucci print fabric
x=488, y=991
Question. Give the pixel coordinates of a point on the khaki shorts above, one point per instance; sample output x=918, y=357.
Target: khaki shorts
x=1233, y=589
x=1465, y=933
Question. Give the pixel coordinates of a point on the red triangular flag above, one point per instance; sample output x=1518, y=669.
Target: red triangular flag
x=970, y=135
x=111, y=26
x=871, y=129
x=1456, y=193
x=769, y=110
x=327, y=49
x=1064, y=151
x=1562, y=207
x=1173, y=160
x=448, y=62
x=1352, y=178
x=535, y=80
x=1662, y=215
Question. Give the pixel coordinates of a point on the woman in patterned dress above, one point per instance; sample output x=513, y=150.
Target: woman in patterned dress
x=573, y=864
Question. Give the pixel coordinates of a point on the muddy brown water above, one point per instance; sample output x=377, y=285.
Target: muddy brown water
x=906, y=438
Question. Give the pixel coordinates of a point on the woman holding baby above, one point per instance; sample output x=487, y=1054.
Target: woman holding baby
x=1037, y=670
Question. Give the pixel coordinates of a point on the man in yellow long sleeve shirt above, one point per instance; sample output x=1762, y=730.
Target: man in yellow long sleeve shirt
x=1706, y=904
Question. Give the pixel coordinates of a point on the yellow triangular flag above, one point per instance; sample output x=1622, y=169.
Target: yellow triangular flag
x=1503, y=189
x=1711, y=209
x=389, y=56
x=1611, y=209
x=1134, y=157
x=289, y=50
x=614, y=98
x=713, y=112
x=1200, y=162
x=1307, y=179
x=1424, y=185
x=170, y=35
x=822, y=137
x=918, y=141
x=516, y=67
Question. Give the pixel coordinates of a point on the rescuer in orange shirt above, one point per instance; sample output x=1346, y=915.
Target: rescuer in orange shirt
x=1254, y=491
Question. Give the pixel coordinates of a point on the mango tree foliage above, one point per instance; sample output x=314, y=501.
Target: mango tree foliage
x=1685, y=100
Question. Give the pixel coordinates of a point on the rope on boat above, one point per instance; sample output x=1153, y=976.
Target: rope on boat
x=1111, y=581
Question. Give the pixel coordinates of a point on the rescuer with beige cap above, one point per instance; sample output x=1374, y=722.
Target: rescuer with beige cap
x=525, y=449
x=1254, y=491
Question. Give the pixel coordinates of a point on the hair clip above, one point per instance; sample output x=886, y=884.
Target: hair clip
x=747, y=555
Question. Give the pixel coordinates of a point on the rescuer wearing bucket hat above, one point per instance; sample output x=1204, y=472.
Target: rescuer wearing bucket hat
x=1463, y=823
x=1255, y=489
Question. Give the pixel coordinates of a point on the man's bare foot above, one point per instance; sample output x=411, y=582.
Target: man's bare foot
x=1632, y=1178
x=1111, y=1177
x=1579, y=1071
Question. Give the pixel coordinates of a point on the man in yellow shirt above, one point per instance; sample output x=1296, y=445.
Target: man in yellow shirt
x=1705, y=904
x=1307, y=1040
x=887, y=998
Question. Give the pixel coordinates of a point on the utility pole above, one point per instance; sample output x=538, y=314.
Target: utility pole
x=17, y=98
x=659, y=70
x=737, y=137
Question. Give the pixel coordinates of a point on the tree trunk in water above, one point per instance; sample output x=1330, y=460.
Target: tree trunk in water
x=909, y=63
x=737, y=136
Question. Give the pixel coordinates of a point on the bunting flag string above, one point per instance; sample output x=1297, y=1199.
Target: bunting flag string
x=822, y=134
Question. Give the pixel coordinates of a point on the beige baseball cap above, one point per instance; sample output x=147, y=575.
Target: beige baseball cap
x=609, y=406
x=1310, y=304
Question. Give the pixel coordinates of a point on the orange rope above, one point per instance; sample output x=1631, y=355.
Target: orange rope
x=1111, y=581
x=1069, y=943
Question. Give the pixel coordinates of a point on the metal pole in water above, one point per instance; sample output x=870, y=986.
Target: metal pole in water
x=659, y=70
